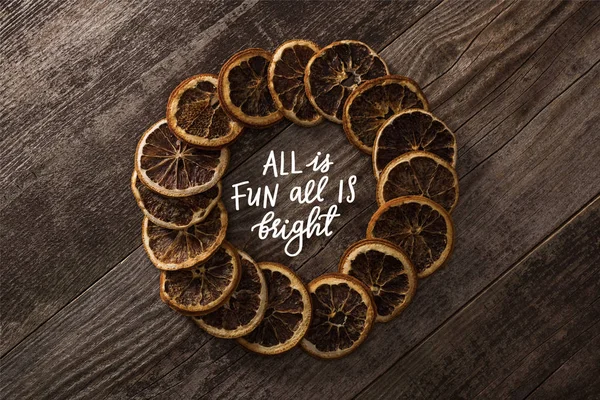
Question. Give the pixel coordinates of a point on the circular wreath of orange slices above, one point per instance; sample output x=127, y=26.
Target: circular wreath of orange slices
x=265, y=306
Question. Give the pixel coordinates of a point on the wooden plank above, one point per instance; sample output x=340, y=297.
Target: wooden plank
x=150, y=351
x=105, y=76
x=577, y=378
x=545, y=359
x=548, y=300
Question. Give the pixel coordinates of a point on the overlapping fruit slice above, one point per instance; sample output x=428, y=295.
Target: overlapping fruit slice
x=244, y=91
x=241, y=313
x=286, y=81
x=413, y=130
x=173, y=249
x=174, y=212
x=419, y=173
x=343, y=314
x=420, y=227
x=373, y=102
x=336, y=71
x=203, y=288
x=195, y=115
x=287, y=316
x=171, y=167
x=386, y=271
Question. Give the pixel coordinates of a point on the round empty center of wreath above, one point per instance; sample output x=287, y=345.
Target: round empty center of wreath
x=298, y=194
x=291, y=200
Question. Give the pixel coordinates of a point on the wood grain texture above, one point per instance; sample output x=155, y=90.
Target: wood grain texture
x=550, y=299
x=577, y=378
x=514, y=80
x=67, y=214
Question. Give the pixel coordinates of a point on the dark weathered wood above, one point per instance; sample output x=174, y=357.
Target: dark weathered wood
x=103, y=74
x=545, y=359
x=523, y=174
x=550, y=300
x=577, y=378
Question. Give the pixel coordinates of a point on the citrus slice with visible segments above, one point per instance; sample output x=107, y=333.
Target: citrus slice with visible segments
x=413, y=130
x=386, y=271
x=195, y=115
x=420, y=227
x=245, y=308
x=171, y=249
x=373, y=102
x=287, y=316
x=286, y=81
x=336, y=71
x=203, y=288
x=244, y=91
x=171, y=167
x=174, y=212
x=343, y=314
x=419, y=173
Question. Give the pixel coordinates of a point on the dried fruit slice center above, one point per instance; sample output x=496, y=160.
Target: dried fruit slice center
x=171, y=167
x=194, y=113
x=286, y=81
x=386, y=271
x=243, y=88
x=335, y=72
x=419, y=173
x=244, y=309
x=174, y=212
x=343, y=314
x=373, y=102
x=205, y=287
x=413, y=130
x=287, y=315
x=419, y=226
x=171, y=249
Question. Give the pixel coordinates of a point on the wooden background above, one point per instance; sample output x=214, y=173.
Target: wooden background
x=516, y=312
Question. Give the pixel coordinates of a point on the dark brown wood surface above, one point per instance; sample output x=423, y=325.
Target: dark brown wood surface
x=515, y=313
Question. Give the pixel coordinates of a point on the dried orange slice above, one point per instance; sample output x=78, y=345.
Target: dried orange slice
x=420, y=227
x=419, y=173
x=343, y=314
x=287, y=316
x=172, y=249
x=413, y=130
x=203, y=288
x=286, y=81
x=336, y=71
x=244, y=91
x=386, y=271
x=373, y=102
x=171, y=167
x=174, y=212
x=241, y=313
x=195, y=115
